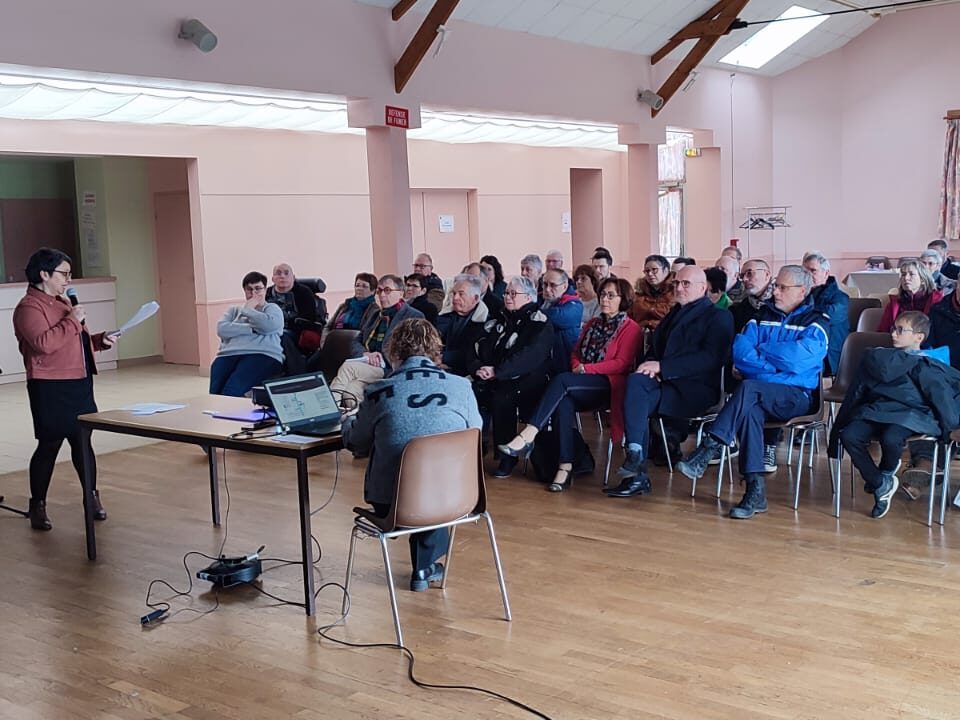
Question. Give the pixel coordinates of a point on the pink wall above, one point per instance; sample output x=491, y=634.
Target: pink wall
x=858, y=138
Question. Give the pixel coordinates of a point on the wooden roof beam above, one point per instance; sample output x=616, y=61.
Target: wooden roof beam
x=417, y=49
x=400, y=9
x=707, y=30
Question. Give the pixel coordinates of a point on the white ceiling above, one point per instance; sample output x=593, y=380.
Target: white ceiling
x=643, y=26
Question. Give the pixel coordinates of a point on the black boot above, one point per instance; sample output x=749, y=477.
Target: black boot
x=98, y=512
x=38, y=515
x=754, y=499
x=695, y=464
x=639, y=484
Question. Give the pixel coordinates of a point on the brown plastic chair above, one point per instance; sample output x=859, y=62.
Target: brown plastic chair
x=850, y=356
x=856, y=306
x=439, y=484
x=869, y=319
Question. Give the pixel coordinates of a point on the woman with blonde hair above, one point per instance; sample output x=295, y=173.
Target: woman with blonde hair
x=917, y=291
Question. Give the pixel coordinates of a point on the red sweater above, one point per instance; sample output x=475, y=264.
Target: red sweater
x=618, y=362
x=49, y=337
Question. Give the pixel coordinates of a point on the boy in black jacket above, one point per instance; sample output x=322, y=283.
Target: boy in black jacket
x=898, y=393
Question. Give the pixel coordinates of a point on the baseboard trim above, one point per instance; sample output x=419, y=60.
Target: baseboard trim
x=133, y=362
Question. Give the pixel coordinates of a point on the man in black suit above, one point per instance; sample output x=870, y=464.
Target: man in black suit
x=680, y=376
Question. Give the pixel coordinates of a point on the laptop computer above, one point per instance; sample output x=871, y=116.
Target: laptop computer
x=304, y=404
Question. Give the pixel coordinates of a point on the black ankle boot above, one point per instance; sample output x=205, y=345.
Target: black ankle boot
x=98, y=512
x=38, y=515
x=754, y=499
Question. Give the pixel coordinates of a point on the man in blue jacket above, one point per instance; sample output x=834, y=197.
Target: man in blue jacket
x=780, y=356
x=565, y=311
x=833, y=302
x=680, y=375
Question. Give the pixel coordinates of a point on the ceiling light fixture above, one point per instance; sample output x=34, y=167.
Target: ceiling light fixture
x=199, y=34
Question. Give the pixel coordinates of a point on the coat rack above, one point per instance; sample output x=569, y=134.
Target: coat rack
x=767, y=219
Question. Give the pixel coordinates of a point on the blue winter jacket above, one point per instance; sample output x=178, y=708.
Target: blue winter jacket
x=565, y=315
x=786, y=349
x=834, y=303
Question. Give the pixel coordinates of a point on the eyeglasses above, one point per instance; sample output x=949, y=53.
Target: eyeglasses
x=254, y=288
x=514, y=293
x=422, y=265
x=556, y=284
x=685, y=284
x=781, y=287
x=609, y=295
x=387, y=290
x=899, y=330
x=653, y=270
x=66, y=273
x=753, y=273
x=413, y=286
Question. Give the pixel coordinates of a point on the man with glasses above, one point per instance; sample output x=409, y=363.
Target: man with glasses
x=531, y=267
x=731, y=267
x=423, y=265
x=415, y=295
x=833, y=302
x=463, y=324
x=493, y=302
x=368, y=363
x=565, y=311
x=758, y=284
x=779, y=355
x=678, y=378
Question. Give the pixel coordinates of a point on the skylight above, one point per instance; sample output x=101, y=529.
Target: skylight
x=761, y=48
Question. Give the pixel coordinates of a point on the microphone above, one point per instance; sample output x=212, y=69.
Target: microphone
x=74, y=300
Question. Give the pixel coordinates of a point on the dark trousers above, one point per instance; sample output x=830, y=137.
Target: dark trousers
x=425, y=547
x=45, y=457
x=501, y=400
x=234, y=375
x=565, y=395
x=856, y=438
x=744, y=414
x=641, y=402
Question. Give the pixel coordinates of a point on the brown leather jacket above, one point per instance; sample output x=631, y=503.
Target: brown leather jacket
x=651, y=305
x=50, y=338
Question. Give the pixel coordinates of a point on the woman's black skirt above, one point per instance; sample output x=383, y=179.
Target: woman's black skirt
x=55, y=405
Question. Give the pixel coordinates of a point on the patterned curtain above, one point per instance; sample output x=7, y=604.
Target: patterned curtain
x=949, y=225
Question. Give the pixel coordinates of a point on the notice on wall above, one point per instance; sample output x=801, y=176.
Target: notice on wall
x=447, y=224
x=88, y=231
x=565, y=222
x=89, y=199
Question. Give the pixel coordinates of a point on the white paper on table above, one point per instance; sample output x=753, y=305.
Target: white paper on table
x=146, y=310
x=294, y=438
x=151, y=408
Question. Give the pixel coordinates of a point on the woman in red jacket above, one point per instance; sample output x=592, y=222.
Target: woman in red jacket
x=602, y=358
x=917, y=291
x=58, y=356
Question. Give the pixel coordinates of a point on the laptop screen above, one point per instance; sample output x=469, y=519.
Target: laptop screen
x=302, y=400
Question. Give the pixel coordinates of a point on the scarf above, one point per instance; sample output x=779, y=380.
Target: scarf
x=353, y=314
x=756, y=301
x=375, y=341
x=599, y=333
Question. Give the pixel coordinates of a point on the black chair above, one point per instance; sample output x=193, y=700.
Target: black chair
x=337, y=348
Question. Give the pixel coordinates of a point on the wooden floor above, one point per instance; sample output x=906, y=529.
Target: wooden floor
x=653, y=607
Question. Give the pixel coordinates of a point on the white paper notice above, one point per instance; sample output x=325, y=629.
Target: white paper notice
x=151, y=408
x=565, y=222
x=447, y=224
x=146, y=310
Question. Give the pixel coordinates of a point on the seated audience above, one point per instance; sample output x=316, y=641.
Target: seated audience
x=758, y=289
x=897, y=392
x=679, y=377
x=510, y=364
x=586, y=282
x=605, y=354
x=734, y=289
x=833, y=302
x=351, y=313
x=940, y=245
x=531, y=267
x=945, y=327
x=369, y=363
x=716, y=280
x=493, y=302
x=423, y=265
x=933, y=261
x=917, y=291
x=392, y=414
x=461, y=327
x=732, y=251
x=554, y=260
x=653, y=295
x=780, y=356
x=680, y=263
x=250, y=350
x=565, y=312
x=415, y=295
x=295, y=300
x=493, y=269
x=602, y=262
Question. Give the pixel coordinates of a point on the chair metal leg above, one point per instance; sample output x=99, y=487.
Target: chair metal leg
x=666, y=447
x=346, y=582
x=814, y=444
x=599, y=422
x=579, y=424
x=496, y=561
x=448, y=558
x=606, y=473
x=790, y=448
x=391, y=588
x=836, y=481
x=933, y=484
x=945, y=487
x=724, y=458
x=796, y=489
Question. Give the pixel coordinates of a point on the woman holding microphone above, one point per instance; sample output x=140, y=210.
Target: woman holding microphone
x=58, y=357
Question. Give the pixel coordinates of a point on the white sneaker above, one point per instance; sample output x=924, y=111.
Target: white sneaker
x=769, y=458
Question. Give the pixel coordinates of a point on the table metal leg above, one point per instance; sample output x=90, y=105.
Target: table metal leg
x=86, y=477
x=306, y=544
x=213, y=457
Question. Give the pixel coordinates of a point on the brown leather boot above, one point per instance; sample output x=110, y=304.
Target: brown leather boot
x=38, y=515
x=98, y=512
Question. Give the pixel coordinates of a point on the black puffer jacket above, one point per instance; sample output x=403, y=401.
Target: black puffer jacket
x=945, y=328
x=516, y=346
x=902, y=388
